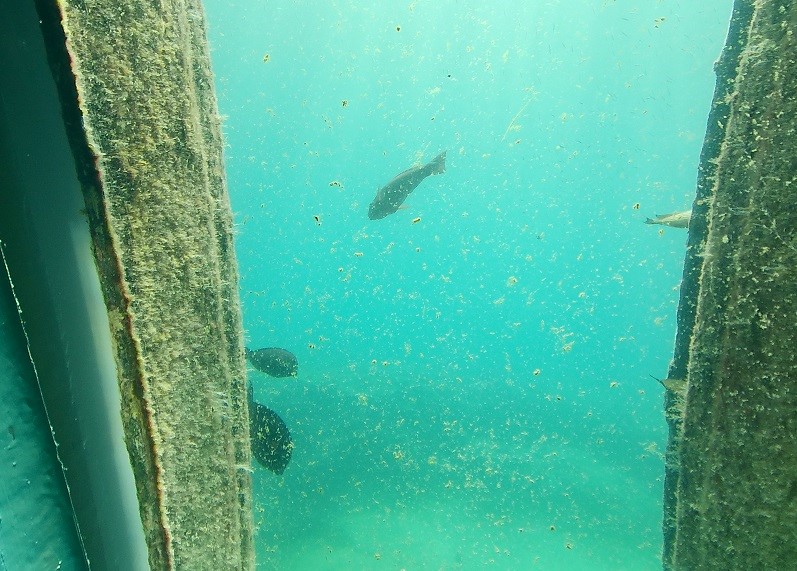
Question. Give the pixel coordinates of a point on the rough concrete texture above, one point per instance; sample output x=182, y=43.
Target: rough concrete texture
x=157, y=202
x=675, y=402
x=732, y=501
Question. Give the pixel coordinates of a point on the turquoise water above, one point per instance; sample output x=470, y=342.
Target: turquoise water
x=473, y=388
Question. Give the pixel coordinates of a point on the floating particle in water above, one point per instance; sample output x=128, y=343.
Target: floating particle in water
x=636, y=206
x=344, y=103
x=512, y=281
x=317, y=219
x=536, y=372
x=416, y=220
x=398, y=28
x=614, y=385
x=266, y=58
x=336, y=183
x=358, y=254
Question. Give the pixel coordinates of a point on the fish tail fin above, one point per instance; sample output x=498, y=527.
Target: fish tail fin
x=438, y=164
x=650, y=221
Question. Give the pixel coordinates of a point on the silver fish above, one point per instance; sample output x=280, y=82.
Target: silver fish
x=391, y=196
x=674, y=219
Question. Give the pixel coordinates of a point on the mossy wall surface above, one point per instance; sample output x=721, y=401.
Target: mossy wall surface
x=733, y=504
x=148, y=146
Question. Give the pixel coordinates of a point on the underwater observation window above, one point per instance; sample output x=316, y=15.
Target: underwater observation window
x=453, y=306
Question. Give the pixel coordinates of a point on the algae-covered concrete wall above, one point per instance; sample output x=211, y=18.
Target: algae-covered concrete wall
x=138, y=99
x=731, y=498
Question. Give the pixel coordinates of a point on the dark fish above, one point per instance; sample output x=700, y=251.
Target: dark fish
x=393, y=194
x=271, y=441
x=274, y=361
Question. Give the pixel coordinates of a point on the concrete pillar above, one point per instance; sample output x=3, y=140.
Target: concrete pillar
x=138, y=100
x=731, y=485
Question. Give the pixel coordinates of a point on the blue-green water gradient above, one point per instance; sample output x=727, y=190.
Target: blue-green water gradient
x=474, y=386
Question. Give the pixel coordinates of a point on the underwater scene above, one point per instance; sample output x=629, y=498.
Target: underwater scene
x=440, y=212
